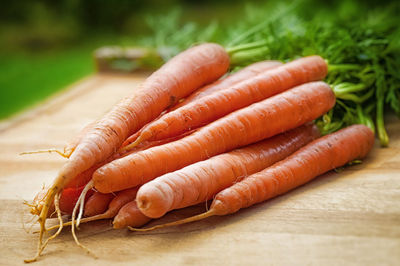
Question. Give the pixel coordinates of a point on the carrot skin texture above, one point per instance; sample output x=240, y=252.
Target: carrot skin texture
x=83, y=178
x=97, y=203
x=243, y=74
x=176, y=79
x=122, y=198
x=316, y=158
x=71, y=145
x=150, y=143
x=216, y=105
x=199, y=182
x=248, y=125
x=69, y=197
x=130, y=215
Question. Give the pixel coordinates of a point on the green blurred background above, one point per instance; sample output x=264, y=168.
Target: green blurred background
x=46, y=45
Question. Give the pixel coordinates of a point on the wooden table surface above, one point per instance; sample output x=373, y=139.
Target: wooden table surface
x=350, y=218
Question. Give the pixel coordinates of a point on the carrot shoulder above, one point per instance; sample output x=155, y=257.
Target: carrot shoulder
x=261, y=120
x=201, y=181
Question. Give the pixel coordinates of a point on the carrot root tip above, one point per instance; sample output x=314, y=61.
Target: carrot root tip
x=179, y=222
x=132, y=145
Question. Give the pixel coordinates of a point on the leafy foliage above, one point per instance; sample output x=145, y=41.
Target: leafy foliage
x=361, y=43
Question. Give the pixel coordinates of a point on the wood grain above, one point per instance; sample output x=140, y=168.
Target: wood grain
x=346, y=218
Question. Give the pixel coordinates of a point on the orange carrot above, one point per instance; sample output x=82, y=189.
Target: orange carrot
x=199, y=182
x=225, y=83
x=314, y=159
x=69, y=197
x=83, y=178
x=176, y=79
x=71, y=145
x=218, y=104
x=97, y=203
x=243, y=74
x=261, y=120
x=67, y=201
x=148, y=144
x=130, y=215
x=121, y=198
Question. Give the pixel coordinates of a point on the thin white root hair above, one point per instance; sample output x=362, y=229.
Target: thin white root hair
x=101, y=216
x=77, y=205
x=82, y=201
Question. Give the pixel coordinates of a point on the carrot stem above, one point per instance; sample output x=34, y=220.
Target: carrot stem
x=342, y=67
x=241, y=57
x=380, y=124
x=246, y=46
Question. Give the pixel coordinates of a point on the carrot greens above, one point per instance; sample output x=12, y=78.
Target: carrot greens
x=360, y=41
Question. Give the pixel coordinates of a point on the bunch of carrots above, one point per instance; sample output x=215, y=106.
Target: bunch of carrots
x=191, y=133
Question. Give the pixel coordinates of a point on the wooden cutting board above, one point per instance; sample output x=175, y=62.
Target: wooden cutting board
x=351, y=217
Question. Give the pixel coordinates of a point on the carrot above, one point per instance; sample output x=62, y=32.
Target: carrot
x=67, y=201
x=71, y=145
x=121, y=198
x=148, y=144
x=199, y=182
x=176, y=79
x=261, y=120
x=84, y=177
x=69, y=197
x=314, y=159
x=130, y=215
x=225, y=83
x=218, y=104
x=38, y=200
x=243, y=74
x=97, y=203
